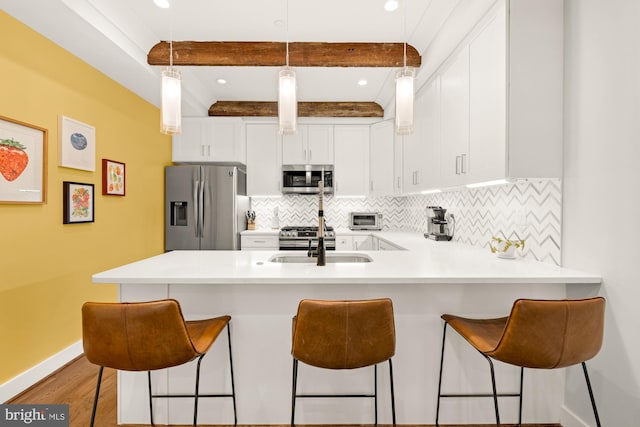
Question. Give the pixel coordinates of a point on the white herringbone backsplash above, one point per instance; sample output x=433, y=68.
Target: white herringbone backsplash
x=531, y=210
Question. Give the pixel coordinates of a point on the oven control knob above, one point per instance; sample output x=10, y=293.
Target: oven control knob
x=330, y=234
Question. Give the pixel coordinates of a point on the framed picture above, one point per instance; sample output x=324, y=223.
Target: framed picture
x=113, y=178
x=77, y=145
x=23, y=162
x=77, y=201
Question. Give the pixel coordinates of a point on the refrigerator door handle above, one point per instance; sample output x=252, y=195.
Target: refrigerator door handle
x=203, y=193
x=196, y=208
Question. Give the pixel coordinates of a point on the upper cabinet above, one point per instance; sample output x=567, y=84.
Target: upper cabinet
x=501, y=97
x=381, y=163
x=210, y=140
x=351, y=170
x=421, y=150
x=454, y=105
x=264, y=161
x=310, y=145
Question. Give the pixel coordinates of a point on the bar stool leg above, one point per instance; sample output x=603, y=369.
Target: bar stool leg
x=233, y=386
x=593, y=401
x=393, y=396
x=495, y=393
x=375, y=393
x=197, y=393
x=520, y=407
x=293, y=391
x=150, y=397
x=444, y=334
x=95, y=400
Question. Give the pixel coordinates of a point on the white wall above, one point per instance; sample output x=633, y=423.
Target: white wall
x=601, y=223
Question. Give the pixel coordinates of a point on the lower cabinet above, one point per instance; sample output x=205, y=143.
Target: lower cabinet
x=259, y=243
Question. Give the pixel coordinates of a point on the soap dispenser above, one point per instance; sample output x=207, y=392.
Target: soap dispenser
x=275, y=220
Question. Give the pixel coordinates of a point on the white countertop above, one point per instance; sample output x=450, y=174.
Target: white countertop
x=424, y=262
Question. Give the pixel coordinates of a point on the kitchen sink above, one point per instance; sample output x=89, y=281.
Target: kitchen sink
x=331, y=258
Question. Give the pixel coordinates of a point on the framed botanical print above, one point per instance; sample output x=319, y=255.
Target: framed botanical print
x=113, y=178
x=78, y=202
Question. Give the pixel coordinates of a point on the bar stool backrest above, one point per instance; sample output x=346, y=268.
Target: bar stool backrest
x=136, y=336
x=344, y=334
x=551, y=334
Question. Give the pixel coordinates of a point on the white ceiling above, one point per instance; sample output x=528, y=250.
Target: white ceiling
x=115, y=36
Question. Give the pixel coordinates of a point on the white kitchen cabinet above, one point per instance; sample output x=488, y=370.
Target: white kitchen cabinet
x=515, y=105
x=398, y=164
x=381, y=164
x=351, y=170
x=259, y=242
x=311, y=144
x=454, y=105
x=421, y=150
x=365, y=243
x=264, y=162
x=344, y=243
x=209, y=140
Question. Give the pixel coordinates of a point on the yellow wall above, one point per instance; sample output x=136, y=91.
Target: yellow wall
x=45, y=266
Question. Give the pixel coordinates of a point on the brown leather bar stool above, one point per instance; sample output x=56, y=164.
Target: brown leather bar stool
x=344, y=335
x=542, y=334
x=145, y=336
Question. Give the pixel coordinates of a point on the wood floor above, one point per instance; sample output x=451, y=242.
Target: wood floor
x=75, y=384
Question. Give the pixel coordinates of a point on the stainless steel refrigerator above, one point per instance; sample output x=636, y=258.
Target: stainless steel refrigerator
x=205, y=207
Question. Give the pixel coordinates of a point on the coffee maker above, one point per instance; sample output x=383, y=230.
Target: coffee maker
x=439, y=225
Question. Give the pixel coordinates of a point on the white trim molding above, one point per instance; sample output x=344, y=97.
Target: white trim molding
x=28, y=378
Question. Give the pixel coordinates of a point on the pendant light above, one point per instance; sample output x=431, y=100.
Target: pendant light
x=171, y=102
x=404, y=92
x=287, y=96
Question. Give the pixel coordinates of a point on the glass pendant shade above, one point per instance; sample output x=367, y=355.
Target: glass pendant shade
x=287, y=101
x=171, y=103
x=404, y=101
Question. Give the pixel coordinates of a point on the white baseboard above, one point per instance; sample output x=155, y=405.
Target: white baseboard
x=23, y=381
x=569, y=419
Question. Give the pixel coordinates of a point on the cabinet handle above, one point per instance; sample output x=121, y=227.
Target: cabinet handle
x=208, y=150
x=457, y=165
x=202, y=150
x=398, y=182
x=418, y=177
x=310, y=154
x=463, y=159
x=304, y=154
x=259, y=241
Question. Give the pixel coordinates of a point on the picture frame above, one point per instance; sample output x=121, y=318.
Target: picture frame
x=23, y=162
x=76, y=145
x=113, y=178
x=78, y=202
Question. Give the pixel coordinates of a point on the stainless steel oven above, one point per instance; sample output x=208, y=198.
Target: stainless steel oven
x=298, y=238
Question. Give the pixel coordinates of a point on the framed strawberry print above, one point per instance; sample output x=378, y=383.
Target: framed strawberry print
x=78, y=202
x=23, y=167
x=113, y=178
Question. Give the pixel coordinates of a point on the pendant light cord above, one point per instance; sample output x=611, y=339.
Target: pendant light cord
x=404, y=30
x=287, y=31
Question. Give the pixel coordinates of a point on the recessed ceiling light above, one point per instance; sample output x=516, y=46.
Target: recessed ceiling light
x=362, y=82
x=390, y=5
x=162, y=3
x=222, y=81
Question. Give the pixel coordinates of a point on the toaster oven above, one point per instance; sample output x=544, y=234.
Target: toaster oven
x=365, y=221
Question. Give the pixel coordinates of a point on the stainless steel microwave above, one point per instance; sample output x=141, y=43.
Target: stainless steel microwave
x=365, y=221
x=303, y=179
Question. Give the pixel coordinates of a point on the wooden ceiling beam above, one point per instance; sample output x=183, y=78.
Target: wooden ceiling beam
x=273, y=54
x=305, y=109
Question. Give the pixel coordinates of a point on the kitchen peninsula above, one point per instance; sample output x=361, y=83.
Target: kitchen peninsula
x=425, y=280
